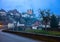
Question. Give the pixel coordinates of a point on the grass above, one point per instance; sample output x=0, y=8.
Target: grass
x=44, y=32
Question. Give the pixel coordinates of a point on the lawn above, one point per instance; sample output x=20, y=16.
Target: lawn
x=56, y=33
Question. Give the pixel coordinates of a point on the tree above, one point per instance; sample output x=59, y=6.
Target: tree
x=45, y=14
x=54, y=22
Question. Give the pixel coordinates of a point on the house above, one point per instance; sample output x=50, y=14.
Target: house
x=2, y=12
x=36, y=24
x=3, y=17
x=10, y=25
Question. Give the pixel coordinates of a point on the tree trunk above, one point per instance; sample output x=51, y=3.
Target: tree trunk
x=45, y=26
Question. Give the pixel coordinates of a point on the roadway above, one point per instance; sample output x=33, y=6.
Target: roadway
x=7, y=37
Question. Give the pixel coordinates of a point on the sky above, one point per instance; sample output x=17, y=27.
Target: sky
x=23, y=5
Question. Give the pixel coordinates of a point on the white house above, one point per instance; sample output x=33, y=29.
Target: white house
x=11, y=25
x=18, y=24
x=34, y=27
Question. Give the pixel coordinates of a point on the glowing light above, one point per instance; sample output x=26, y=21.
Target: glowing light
x=1, y=26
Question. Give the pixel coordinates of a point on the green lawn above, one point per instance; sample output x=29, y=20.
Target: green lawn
x=44, y=32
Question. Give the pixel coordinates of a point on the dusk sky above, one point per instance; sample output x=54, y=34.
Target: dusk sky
x=23, y=5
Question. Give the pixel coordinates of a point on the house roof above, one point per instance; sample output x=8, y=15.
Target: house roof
x=2, y=10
